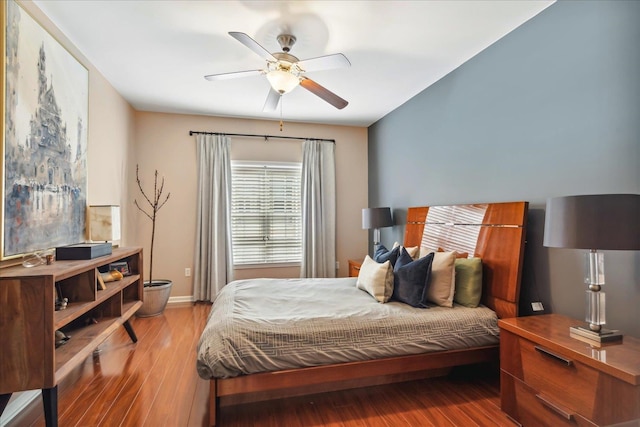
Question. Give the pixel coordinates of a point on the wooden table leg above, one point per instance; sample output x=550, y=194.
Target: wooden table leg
x=130, y=331
x=213, y=403
x=50, y=401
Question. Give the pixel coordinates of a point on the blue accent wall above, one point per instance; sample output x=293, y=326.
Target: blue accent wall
x=551, y=109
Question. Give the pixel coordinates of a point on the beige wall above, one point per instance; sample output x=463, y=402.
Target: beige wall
x=111, y=145
x=163, y=142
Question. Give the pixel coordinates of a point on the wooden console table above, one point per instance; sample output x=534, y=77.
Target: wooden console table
x=28, y=320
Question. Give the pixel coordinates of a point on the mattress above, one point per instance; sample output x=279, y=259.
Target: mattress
x=263, y=325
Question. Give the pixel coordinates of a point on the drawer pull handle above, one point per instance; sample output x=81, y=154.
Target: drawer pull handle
x=553, y=355
x=555, y=408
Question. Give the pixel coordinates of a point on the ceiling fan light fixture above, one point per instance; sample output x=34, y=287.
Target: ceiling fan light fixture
x=285, y=71
x=282, y=81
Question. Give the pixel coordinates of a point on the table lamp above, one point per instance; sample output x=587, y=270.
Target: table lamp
x=104, y=222
x=376, y=218
x=594, y=222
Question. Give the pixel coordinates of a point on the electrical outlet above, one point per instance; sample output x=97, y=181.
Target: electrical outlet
x=337, y=265
x=537, y=306
x=187, y=272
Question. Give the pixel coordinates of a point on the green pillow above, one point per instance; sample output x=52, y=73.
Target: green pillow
x=468, y=282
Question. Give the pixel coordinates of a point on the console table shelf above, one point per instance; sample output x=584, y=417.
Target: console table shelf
x=29, y=321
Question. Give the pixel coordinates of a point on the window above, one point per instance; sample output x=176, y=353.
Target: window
x=266, y=213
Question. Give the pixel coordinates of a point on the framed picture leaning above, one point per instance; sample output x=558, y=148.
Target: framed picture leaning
x=45, y=114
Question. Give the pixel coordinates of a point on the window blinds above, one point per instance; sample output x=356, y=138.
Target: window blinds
x=266, y=213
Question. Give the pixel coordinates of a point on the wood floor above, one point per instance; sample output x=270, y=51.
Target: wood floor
x=154, y=383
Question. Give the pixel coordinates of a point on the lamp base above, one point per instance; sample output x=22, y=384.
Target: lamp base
x=587, y=335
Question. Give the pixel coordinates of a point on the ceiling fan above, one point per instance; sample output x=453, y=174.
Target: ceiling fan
x=285, y=72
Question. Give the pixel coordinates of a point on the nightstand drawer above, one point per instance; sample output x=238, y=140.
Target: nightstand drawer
x=531, y=408
x=565, y=382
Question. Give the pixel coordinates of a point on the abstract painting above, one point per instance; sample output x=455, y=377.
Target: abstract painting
x=45, y=139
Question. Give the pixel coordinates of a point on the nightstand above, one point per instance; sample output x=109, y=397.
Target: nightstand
x=354, y=268
x=548, y=378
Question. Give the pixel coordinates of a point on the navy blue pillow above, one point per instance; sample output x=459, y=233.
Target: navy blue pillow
x=411, y=279
x=383, y=254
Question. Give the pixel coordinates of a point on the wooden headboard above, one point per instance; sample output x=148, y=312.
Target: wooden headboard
x=494, y=232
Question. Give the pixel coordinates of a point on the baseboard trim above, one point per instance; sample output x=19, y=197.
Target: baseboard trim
x=181, y=299
x=18, y=404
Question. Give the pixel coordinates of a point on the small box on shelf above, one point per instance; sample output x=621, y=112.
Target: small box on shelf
x=83, y=251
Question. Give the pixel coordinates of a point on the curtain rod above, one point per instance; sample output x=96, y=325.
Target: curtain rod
x=266, y=137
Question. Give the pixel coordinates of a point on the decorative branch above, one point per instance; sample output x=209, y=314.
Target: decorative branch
x=155, y=203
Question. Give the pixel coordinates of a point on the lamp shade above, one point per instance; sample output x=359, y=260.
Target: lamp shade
x=601, y=221
x=376, y=218
x=104, y=222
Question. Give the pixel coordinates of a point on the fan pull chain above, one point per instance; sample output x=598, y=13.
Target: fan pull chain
x=281, y=123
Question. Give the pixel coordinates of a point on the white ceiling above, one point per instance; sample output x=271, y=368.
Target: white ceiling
x=155, y=53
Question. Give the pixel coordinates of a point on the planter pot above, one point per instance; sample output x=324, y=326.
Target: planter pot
x=156, y=296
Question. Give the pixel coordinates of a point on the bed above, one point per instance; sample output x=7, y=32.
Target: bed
x=258, y=362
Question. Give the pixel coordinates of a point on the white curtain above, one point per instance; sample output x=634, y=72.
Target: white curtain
x=318, y=209
x=213, y=257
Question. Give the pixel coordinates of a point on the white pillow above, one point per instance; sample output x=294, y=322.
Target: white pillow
x=425, y=251
x=443, y=279
x=413, y=251
x=376, y=279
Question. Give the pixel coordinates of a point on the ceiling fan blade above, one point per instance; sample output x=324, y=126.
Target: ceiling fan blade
x=323, y=93
x=253, y=45
x=273, y=99
x=327, y=62
x=236, y=74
